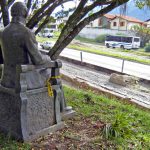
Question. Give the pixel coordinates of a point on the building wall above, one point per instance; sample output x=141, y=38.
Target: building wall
x=102, y=22
x=148, y=24
x=92, y=33
x=105, y=22
x=131, y=24
x=95, y=23
x=127, y=25
x=118, y=26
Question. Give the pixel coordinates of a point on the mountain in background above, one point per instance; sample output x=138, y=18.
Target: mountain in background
x=133, y=11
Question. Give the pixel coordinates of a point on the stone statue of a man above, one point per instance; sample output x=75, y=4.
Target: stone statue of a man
x=18, y=45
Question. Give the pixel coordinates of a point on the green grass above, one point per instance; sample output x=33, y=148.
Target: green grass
x=42, y=39
x=140, y=52
x=99, y=52
x=86, y=40
x=6, y=143
x=129, y=122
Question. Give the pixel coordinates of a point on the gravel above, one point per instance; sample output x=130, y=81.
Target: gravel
x=139, y=92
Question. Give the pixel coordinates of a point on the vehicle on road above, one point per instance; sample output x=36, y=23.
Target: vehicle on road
x=46, y=45
x=123, y=42
x=46, y=33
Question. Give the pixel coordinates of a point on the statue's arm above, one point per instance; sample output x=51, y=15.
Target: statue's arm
x=32, y=46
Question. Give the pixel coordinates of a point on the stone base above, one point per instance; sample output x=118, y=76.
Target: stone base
x=68, y=113
x=26, y=116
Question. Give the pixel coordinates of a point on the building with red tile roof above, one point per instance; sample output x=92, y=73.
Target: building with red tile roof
x=116, y=22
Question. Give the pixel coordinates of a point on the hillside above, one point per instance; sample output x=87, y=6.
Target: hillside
x=133, y=11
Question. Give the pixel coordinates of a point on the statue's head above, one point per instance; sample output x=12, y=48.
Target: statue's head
x=19, y=9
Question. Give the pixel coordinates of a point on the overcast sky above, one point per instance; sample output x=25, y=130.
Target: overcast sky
x=66, y=5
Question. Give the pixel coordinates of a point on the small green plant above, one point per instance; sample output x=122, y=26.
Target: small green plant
x=101, y=38
x=121, y=127
x=147, y=48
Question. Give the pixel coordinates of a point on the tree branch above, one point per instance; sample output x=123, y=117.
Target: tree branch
x=5, y=14
x=29, y=4
x=38, y=13
x=10, y=2
x=71, y=22
x=76, y=17
x=55, y=51
x=42, y=25
x=48, y=12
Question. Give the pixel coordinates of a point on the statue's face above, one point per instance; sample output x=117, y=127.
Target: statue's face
x=19, y=9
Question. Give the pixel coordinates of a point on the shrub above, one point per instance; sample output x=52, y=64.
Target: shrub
x=101, y=38
x=147, y=48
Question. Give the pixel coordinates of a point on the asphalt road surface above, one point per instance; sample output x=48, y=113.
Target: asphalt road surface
x=131, y=68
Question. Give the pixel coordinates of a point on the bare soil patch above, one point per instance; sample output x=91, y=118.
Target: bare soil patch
x=80, y=133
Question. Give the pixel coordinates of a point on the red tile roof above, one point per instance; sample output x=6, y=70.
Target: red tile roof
x=131, y=19
x=110, y=16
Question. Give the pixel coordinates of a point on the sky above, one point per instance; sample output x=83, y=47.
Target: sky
x=133, y=11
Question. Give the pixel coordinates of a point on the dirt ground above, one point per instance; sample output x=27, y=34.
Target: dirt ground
x=80, y=133
x=139, y=92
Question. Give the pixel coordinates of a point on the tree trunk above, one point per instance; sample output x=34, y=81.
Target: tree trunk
x=42, y=25
x=5, y=14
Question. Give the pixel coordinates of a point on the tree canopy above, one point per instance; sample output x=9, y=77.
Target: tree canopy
x=40, y=16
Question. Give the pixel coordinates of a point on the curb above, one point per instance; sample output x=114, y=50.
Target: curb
x=100, y=90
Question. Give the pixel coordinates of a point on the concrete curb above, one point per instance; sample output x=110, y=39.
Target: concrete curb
x=98, y=68
x=100, y=90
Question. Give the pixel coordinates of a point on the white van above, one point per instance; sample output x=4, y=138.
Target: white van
x=122, y=42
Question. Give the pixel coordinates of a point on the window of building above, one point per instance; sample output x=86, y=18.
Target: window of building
x=114, y=24
x=122, y=23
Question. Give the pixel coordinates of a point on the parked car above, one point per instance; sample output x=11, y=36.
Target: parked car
x=46, y=45
x=47, y=33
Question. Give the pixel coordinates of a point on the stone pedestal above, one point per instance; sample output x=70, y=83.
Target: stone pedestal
x=28, y=112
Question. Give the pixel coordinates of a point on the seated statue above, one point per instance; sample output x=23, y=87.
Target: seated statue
x=18, y=46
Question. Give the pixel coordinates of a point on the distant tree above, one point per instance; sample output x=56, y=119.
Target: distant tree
x=76, y=22
x=61, y=25
x=142, y=32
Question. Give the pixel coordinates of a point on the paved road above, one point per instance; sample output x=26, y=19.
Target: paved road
x=131, y=68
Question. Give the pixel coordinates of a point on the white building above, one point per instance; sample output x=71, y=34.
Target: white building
x=148, y=23
x=120, y=22
x=116, y=22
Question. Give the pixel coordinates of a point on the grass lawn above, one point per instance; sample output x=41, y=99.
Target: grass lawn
x=100, y=123
x=106, y=53
x=140, y=52
x=6, y=143
x=41, y=39
x=124, y=126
